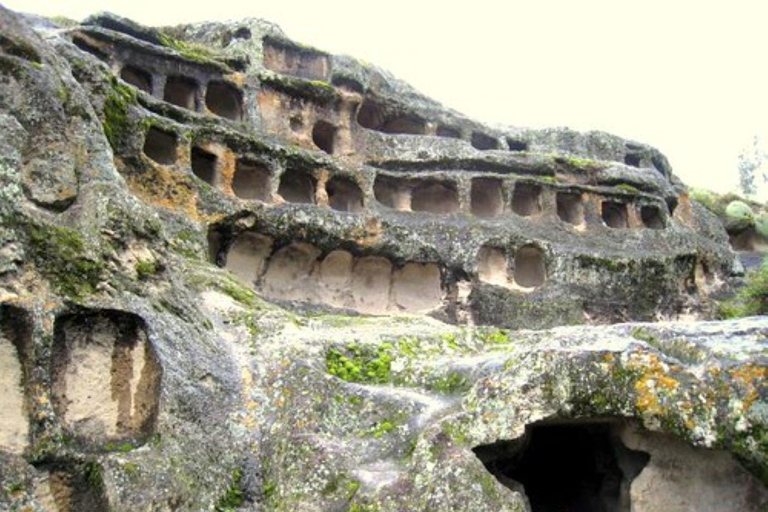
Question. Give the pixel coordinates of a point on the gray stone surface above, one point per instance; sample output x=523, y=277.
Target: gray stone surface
x=120, y=222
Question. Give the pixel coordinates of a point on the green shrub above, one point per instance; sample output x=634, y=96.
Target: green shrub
x=761, y=225
x=750, y=300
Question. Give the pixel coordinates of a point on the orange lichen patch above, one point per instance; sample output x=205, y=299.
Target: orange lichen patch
x=684, y=211
x=653, y=385
x=236, y=78
x=228, y=164
x=370, y=234
x=321, y=195
x=752, y=378
x=165, y=188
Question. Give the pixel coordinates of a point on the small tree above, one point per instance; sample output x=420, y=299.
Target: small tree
x=753, y=167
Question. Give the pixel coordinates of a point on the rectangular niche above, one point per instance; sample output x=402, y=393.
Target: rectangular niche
x=251, y=181
x=435, y=197
x=375, y=116
x=614, y=214
x=224, y=100
x=105, y=376
x=204, y=165
x=487, y=199
x=287, y=59
x=652, y=217
x=137, y=77
x=161, y=146
x=484, y=142
x=181, y=91
x=392, y=193
x=570, y=208
x=15, y=340
x=526, y=199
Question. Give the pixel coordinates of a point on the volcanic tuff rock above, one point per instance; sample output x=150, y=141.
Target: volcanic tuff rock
x=239, y=273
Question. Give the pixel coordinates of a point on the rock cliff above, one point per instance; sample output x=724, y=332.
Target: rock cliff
x=240, y=273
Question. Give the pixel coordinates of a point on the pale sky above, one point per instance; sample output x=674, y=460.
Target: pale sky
x=689, y=77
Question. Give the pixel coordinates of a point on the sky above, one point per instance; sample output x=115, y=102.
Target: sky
x=688, y=77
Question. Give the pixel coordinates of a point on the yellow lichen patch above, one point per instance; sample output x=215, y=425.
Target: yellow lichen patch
x=653, y=385
x=166, y=188
x=370, y=234
x=236, y=78
x=751, y=378
x=228, y=164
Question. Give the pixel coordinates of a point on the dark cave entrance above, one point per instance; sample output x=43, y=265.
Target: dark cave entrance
x=567, y=467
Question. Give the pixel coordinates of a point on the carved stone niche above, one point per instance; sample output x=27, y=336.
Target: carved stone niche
x=105, y=376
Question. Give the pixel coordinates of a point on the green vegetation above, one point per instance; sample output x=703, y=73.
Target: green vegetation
x=93, y=474
x=751, y=299
x=382, y=428
x=627, y=188
x=116, y=112
x=233, y=497
x=644, y=335
x=192, y=51
x=717, y=203
x=364, y=364
x=449, y=384
x=146, y=269
x=59, y=253
x=497, y=337
x=321, y=92
x=581, y=164
x=238, y=292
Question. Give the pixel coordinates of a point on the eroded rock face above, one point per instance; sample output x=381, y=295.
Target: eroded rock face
x=228, y=275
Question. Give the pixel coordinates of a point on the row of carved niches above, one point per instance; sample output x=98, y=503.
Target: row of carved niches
x=104, y=377
x=488, y=196
x=371, y=284
x=331, y=122
x=185, y=85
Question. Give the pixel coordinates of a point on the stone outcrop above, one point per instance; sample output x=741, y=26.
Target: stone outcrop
x=240, y=273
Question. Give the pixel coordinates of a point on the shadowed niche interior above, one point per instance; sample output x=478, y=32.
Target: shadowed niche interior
x=344, y=195
x=435, y=197
x=570, y=208
x=297, y=187
x=525, y=199
x=487, y=197
x=224, y=100
x=251, y=180
x=484, y=142
x=161, y=146
x=614, y=214
x=517, y=145
x=204, y=165
x=372, y=116
x=391, y=193
x=448, y=131
x=324, y=136
x=137, y=77
x=567, y=466
x=300, y=62
x=180, y=91
x=529, y=267
x=651, y=217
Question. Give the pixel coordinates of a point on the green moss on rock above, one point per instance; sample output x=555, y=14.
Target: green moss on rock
x=60, y=254
x=117, y=112
x=363, y=364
